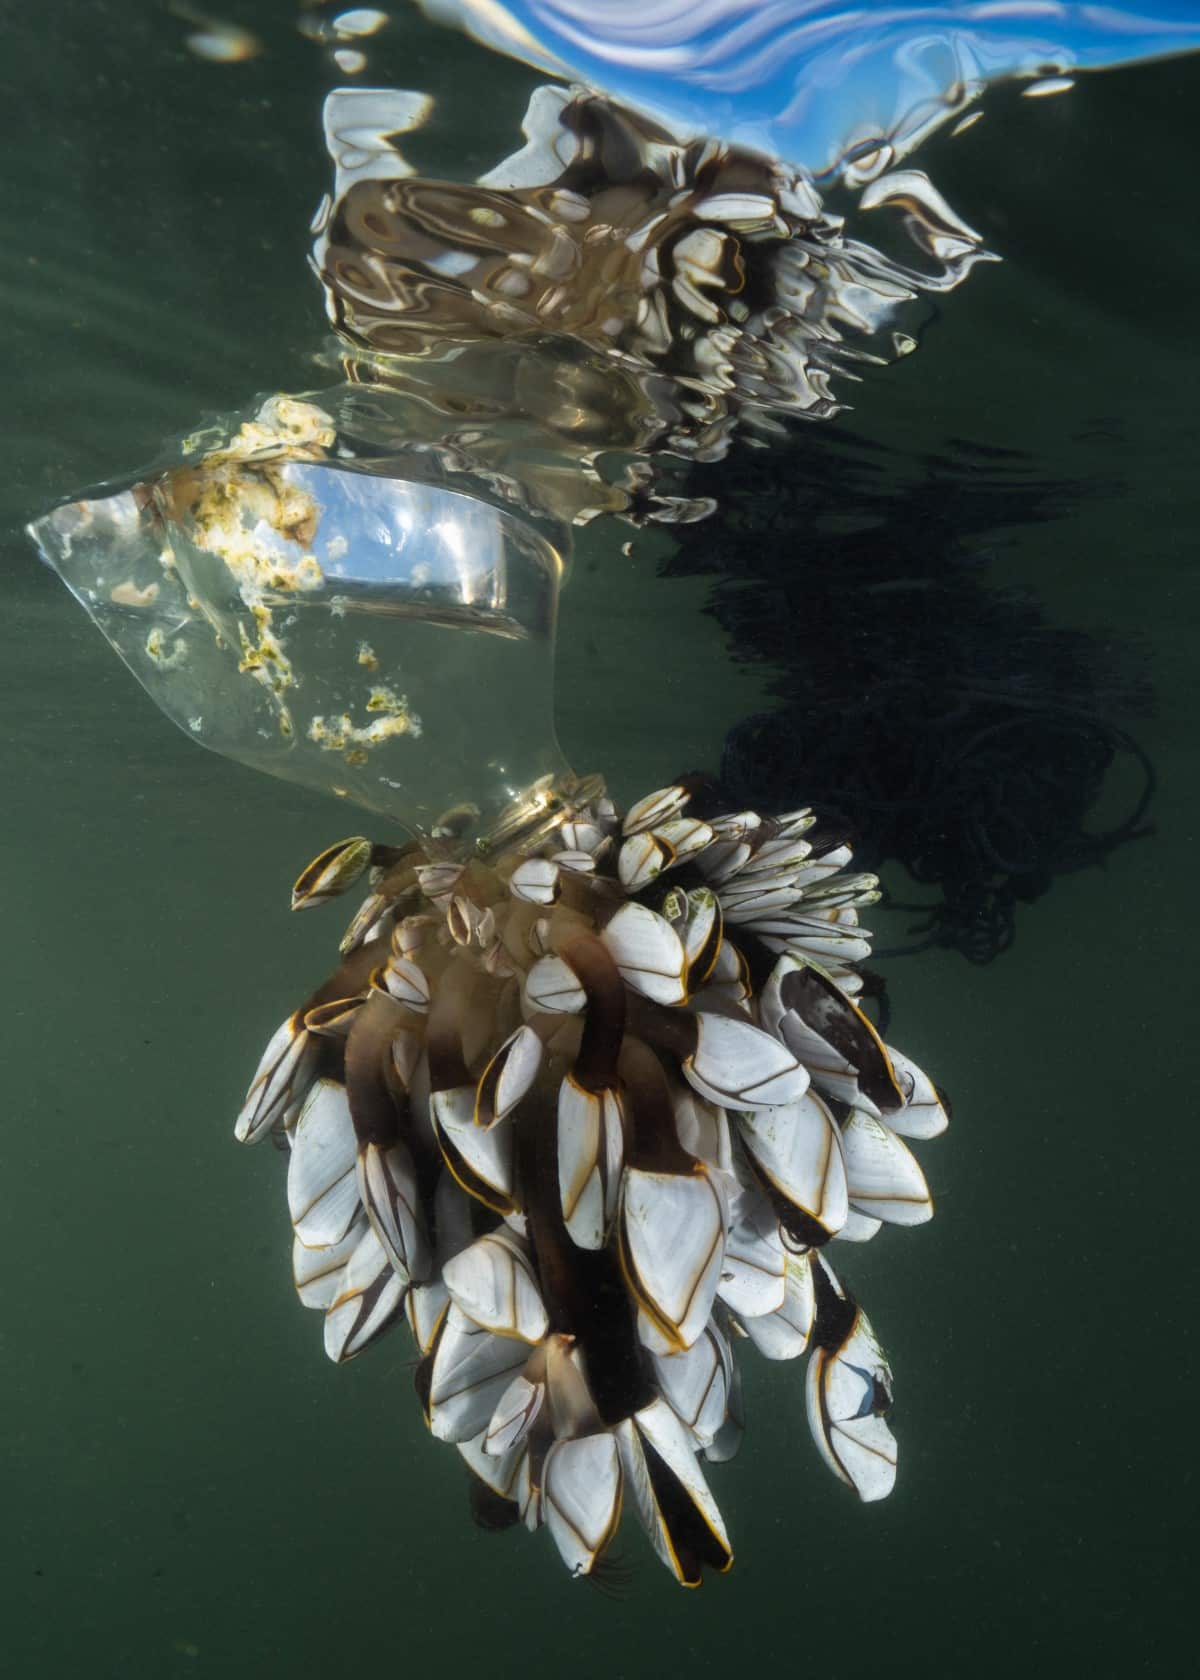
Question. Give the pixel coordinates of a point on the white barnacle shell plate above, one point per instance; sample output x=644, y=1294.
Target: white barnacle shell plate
x=703, y=1129
x=492, y=1282
x=280, y=1081
x=581, y=1497
x=316, y=1272
x=387, y=1188
x=883, y=1178
x=499, y=1472
x=407, y=984
x=649, y=953
x=754, y=1269
x=784, y=1334
x=508, y=1077
x=425, y=1307
x=658, y=807
x=517, y=1409
x=737, y=1065
x=322, y=1191
x=488, y=1153
x=799, y=1149
x=643, y=857
x=471, y=1370
x=671, y=1440
x=590, y=1154
x=922, y=1115
x=552, y=987
x=847, y=1392
x=673, y=1241
x=696, y=1382
x=369, y=1297
x=535, y=881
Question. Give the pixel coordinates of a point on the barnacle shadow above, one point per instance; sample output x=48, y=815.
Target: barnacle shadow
x=935, y=714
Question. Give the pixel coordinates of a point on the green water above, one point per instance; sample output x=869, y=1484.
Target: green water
x=189, y=1487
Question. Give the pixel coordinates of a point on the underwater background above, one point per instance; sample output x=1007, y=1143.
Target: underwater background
x=189, y=1486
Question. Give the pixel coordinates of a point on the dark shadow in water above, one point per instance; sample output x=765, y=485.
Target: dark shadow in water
x=935, y=715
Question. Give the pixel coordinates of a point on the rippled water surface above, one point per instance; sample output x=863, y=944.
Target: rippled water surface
x=965, y=606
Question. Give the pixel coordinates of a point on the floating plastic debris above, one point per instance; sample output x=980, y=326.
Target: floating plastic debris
x=587, y=1116
x=238, y=588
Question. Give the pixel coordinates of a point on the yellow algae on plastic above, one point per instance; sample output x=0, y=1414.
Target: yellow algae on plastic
x=238, y=488
x=284, y=427
x=129, y=594
x=167, y=656
x=341, y=734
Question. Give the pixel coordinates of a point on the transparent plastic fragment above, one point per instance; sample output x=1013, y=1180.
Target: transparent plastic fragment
x=387, y=639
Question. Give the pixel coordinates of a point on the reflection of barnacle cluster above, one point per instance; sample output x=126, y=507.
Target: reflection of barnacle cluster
x=587, y=1113
x=711, y=274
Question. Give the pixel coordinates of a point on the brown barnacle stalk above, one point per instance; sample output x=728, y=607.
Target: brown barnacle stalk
x=588, y=1109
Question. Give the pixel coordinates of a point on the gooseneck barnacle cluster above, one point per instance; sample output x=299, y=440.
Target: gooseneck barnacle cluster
x=587, y=1113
